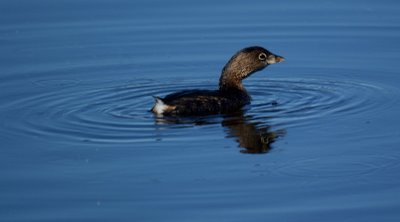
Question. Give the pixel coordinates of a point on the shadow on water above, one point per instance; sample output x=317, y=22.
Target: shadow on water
x=253, y=137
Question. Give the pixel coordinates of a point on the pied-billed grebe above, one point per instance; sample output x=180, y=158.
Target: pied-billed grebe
x=231, y=94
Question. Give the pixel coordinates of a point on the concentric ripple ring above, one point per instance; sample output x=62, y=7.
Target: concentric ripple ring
x=119, y=113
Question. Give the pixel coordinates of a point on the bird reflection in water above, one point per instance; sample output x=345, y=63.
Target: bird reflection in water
x=252, y=137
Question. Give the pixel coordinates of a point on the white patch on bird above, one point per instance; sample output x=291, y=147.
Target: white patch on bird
x=271, y=60
x=159, y=107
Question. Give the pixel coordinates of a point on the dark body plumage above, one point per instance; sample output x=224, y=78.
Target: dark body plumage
x=203, y=102
x=230, y=96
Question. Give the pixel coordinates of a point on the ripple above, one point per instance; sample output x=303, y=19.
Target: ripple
x=343, y=166
x=56, y=82
x=120, y=113
x=291, y=102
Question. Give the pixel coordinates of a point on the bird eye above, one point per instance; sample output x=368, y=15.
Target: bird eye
x=262, y=56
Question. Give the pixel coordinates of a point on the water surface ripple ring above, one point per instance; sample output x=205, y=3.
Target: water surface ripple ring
x=119, y=113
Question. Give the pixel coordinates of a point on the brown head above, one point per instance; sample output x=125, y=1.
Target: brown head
x=244, y=63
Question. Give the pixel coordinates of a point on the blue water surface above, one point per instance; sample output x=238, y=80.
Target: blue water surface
x=320, y=141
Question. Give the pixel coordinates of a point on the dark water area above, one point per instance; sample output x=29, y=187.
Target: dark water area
x=321, y=139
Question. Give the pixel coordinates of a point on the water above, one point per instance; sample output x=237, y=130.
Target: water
x=320, y=139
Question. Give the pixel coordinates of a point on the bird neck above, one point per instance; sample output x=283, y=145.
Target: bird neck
x=231, y=79
x=228, y=84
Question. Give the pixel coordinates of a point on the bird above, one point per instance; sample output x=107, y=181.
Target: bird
x=231, y=95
